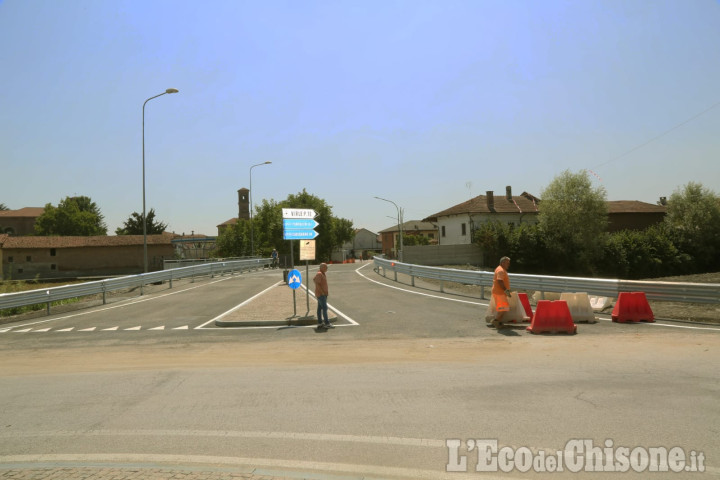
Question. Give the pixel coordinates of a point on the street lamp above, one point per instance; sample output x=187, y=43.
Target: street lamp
x=252, y=229
x=400, y=222
x=145, y=259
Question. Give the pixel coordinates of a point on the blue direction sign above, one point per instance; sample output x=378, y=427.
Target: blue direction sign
x=299, y=224
x=294, y=279
x=299, y=234
x=299, y=229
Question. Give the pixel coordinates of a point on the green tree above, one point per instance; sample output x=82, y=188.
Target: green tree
x=234, y=241
x=3, y=207
x=494, y=239
x=268, y=230
x=634, y=254
x=410, y=240
x=693, y=217
x=573, y=218
x=133, y=225
x=74, y=216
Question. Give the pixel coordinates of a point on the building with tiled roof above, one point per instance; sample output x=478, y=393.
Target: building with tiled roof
x=456, y=224
x=19, y=222
x=29, y=257
x=390, y=237
x=633, y=215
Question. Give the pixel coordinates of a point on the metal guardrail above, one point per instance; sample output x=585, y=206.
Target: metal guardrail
x=49, y=295
x=665, y=291
x=168, y=264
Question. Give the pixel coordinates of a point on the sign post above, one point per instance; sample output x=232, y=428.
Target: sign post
x=307, y=252
x=294, y=281
x=299, y=224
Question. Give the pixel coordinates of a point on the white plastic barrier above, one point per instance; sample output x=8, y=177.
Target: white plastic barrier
x=515, y=314
x=579, y=305
x=599, y=304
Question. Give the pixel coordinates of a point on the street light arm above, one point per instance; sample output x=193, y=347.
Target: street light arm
x=145, y=260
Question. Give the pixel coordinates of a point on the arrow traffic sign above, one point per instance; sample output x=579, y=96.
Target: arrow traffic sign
x=299, y=224
x=294, y=279
x=298, y=213
x=299, y=234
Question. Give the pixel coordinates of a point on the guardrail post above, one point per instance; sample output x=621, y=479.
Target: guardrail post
x=48, y=302
x=442, y=286
x=412, y=280
x=171, y=279
x=482, y=291
x=395, y=274
x=104, y=287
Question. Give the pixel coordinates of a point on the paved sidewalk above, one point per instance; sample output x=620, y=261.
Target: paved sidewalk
x=275, y=306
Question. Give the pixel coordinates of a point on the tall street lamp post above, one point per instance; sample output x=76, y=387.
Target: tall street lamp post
x=252, y=228
x=145, y=258
x=400, y=223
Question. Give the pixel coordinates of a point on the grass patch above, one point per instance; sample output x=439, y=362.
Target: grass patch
x=16, y=286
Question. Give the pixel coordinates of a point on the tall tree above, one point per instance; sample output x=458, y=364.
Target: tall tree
x=133, y=225
x=332, y=231
x=3, y=207
x=268, y=226
x=573, y=218
x=234, y=241
x=74, y=216
x=693, y=217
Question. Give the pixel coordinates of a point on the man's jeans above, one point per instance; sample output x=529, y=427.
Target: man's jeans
x=322, y=309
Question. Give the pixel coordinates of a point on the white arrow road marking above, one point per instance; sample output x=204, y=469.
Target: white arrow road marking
x=66, y=329
x=42, y=330
x=184, y=327
x=91, y=329
x=158, y=328
x=111, y=329
x=134, y=328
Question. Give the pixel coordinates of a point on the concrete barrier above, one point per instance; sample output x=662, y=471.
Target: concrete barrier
x=516, y=314
x=579, y=305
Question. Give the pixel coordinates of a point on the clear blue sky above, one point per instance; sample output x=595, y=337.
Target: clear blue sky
x=426, y=103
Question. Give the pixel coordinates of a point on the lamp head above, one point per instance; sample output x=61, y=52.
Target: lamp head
x=172, y=90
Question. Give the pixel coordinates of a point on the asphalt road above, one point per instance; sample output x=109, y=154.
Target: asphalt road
x=407, y=372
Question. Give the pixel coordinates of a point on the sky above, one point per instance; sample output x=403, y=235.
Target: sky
x=424, y=103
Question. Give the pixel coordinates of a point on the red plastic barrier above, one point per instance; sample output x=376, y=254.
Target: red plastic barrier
x=632, y=307
x=526, y=305
x=552, y=317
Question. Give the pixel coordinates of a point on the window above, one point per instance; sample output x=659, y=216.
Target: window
x=10, y=259
x=19, y=270
x=53, y=252
x=28, y=258
x=463, y=229
x=443, y=230
x=53, y=267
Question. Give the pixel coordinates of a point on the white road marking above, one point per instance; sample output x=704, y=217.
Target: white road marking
x=121, y=304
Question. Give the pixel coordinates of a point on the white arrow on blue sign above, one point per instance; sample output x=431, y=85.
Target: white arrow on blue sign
x=299, y=234
x=294, y=279
x=299, y=224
